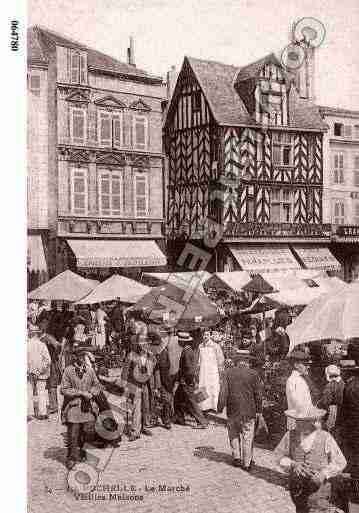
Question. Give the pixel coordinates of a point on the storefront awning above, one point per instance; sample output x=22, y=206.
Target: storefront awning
x=36, y=260
x=317, y=258
x=262, y=259
x=117, y=253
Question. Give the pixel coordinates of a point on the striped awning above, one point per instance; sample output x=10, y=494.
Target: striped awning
x=36, y=260
x=117, y=253
x=317, y=258
x=264, y=259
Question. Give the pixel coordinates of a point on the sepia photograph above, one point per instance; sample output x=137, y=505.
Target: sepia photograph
x=192, y=255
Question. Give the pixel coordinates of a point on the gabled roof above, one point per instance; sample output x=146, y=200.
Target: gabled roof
x=216, y=80
x=42, y=41
x=252, y=70
x=229, y=91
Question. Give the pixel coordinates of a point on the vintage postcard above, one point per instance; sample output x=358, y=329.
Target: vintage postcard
x=192, y=255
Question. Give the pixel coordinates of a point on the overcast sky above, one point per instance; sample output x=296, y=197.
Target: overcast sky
x=234, y=32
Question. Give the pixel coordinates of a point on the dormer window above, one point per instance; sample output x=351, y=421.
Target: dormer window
x=78, y=67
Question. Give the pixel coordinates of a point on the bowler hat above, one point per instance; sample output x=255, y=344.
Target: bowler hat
x=242, y=354
x=309, y=413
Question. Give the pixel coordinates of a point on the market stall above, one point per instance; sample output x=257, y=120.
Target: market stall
x=66, y=286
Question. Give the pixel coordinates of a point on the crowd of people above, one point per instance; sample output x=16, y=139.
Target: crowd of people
x=179, y=377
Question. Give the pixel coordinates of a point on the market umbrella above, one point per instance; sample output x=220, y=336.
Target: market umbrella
x=180, y=279
x=258, y=285
x=233, y=281
x=296, y=297
x=66, y=286
x=129, y=291
x=193, y=308
x=330, y=316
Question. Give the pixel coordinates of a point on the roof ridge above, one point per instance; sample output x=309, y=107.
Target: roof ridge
x=52, y=34
x=210, y=61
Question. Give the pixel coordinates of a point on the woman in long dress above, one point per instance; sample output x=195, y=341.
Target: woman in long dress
x=211, y=362
x=101, y=317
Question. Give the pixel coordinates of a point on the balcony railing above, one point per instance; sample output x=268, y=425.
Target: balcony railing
x=347, y=230
x=105, y=228
x=280, y=230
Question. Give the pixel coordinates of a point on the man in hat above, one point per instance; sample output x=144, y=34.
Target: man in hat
x=137, y=372
x=241, y=394
x=79, y=387
x=39, y=362
x=312, y=458
x=297, y=389
x=332, y=399
x=350, y=420
x=184, y=399
x=117, y=318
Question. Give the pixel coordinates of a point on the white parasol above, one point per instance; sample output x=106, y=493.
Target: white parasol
x=330, y=316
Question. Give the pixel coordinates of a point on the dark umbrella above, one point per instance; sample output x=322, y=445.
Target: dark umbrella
x=193, y=308
x=259, y=285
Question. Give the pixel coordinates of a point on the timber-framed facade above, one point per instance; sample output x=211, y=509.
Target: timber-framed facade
x=245, y=151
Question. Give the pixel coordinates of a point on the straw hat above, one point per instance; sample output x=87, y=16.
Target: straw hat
x=310, y=413
x=184, y=337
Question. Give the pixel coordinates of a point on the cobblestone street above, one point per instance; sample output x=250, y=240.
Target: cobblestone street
x=199, y=460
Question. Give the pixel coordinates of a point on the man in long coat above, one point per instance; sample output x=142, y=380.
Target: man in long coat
x=241, y=394
x=184, y=400
x=79, y=386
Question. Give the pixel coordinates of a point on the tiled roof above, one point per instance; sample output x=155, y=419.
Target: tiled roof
x=216, y=80
x=229, y=91
x=304, y=113
x=41, y=41
x=337, y=111
x=252, y=70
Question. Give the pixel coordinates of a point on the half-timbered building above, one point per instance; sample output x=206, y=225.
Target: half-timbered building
x=245, y=157
x=95, y=166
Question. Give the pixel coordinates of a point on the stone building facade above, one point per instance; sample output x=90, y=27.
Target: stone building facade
x=95, y=162
x=341, y=185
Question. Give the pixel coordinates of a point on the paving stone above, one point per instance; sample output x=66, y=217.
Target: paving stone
x=199, y=458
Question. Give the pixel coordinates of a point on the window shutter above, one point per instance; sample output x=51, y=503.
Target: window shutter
x=116, y=193
x=78, y=127
x=79, y=189
x=277, y=155
x=141, y=194
x=140, y=132
x=83, y=68
x=105, y=193
x=75, y=67
x=117, y=130
x=342, y=209
x=127, y=129
x=347, y=131
x=105, y=128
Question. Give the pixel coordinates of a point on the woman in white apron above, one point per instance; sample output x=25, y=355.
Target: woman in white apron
x=211, y=361
x=101, y=317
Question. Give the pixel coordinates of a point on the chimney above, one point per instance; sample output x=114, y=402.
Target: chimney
x=131, y=53
x=172, y=76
